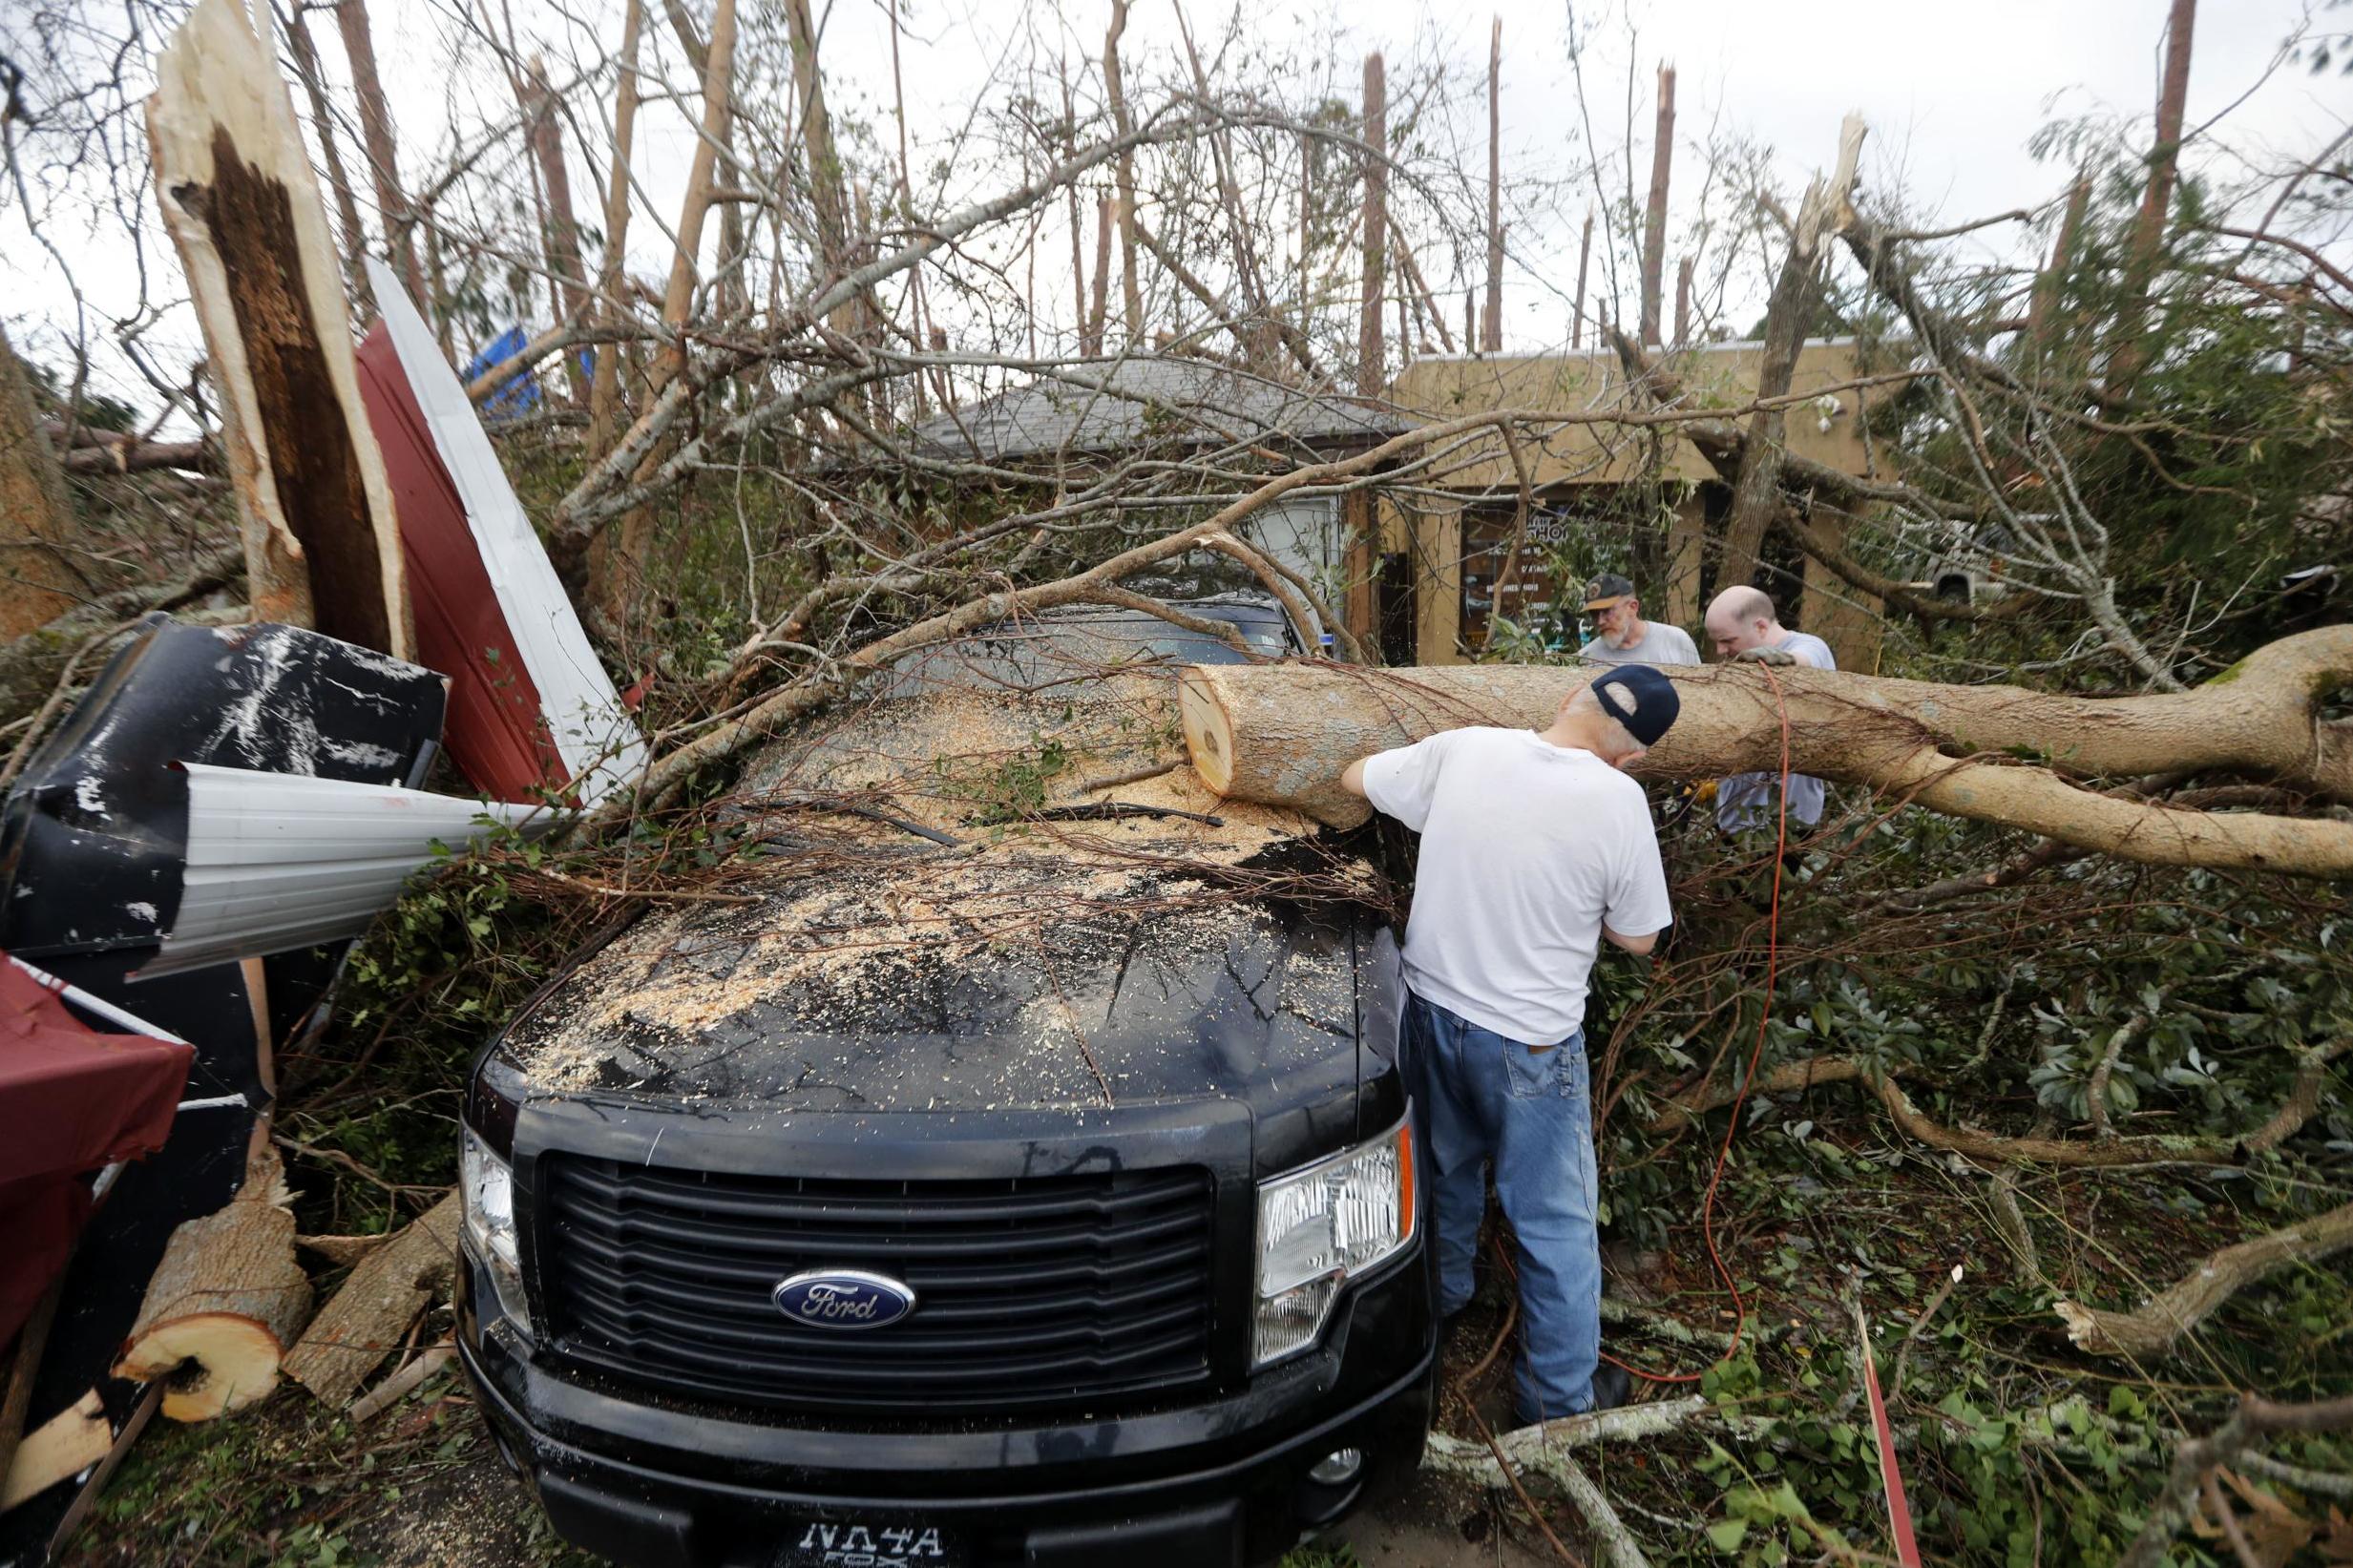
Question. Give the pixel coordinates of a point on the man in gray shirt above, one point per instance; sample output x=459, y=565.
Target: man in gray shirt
x=1622, y=637
x=1743, y=624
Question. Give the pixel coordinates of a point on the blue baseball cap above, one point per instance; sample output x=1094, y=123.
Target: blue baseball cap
x=1640, y=697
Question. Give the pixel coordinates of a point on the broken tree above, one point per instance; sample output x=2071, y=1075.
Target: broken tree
x=1282, y=733
x=235, y=185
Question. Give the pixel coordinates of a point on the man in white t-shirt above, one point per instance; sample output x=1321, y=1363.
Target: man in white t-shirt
x=1743, y=623
x=1535, y=848
x=1620, y=633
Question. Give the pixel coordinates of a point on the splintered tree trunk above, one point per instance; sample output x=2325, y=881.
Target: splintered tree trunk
x=1282, y=733
x=363, y=1322
x=225, y=1304
x=1654, y=214
x=234, y=183
x=1756, y=490
x=36, y=585
x=2147, y=246
x=2048, y=287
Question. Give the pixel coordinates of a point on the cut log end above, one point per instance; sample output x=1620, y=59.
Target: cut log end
x=1209, y=737
x=216, y=1362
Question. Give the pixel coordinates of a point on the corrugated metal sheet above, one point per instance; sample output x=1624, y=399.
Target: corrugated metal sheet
x=1108, y=406
x=277, y=861
x=593, y=734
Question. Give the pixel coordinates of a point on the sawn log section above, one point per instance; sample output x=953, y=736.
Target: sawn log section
x=1281, y=734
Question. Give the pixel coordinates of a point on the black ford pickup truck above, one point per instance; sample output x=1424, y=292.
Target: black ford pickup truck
x=1025, y=1178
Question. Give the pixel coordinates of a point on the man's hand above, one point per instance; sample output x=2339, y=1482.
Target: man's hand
x=1780, y=659
x=1351, y=779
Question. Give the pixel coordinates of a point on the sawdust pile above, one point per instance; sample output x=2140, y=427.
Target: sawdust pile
x=864, y=912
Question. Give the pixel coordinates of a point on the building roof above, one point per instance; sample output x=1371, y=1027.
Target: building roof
x=1110, y=405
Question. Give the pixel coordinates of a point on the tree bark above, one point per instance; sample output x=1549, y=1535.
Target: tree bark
x=1130, y=281
x=624, y=561
x=604, y=383
x=1491, y=334
x=228, y=1297
x=1282, y=734
x=1655, y=213
x=1585, y=262
x=1756, y=489
x=560, y=236
x=359, y=47
x=2047, y=286
x=35, y=517
x=1090, y=341
x=235, y=187
x=2158, y=1325
x=323, y=120
x=363, y=1321
x=2147, y=246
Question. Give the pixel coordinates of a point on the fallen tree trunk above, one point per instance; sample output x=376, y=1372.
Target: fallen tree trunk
x=66, y=1444
x=364, y=1321
x=224, y=1302
x=2154, y=1329
x=1282, y=733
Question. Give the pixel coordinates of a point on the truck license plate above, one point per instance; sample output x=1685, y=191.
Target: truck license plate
x=869, y=1543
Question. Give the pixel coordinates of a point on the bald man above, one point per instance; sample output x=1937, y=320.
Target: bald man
x=1743, y=623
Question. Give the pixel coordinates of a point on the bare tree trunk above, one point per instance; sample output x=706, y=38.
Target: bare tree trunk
x=1078, y=226
x=1266, y=329
x=828, y=193
x=377, y=133
x=1756, y=491
x=2147, y=245
x=36, y=585
x=339, y=182
x=618, y=589
x=1683, y=302
x=1585, y=262
x=1098, y=311
x=604, y=390
x=559, y=236
x=907, y=213
x=2047, y=286
x=1362, y=522
x=1131, y=283
x=1655, y=214
x=1491, y=340
x=1421, y=287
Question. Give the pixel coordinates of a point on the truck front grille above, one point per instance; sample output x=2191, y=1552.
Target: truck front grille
x=1030, y=1291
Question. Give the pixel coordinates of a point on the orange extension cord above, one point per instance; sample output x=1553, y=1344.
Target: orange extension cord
x=1764, y=1017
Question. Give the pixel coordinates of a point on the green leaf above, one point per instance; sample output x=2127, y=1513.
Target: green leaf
x=1727, y=1535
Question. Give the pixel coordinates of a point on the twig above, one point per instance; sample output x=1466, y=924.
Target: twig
x=389, y=1393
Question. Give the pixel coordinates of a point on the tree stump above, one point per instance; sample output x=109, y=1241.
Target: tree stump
x=225, y=1304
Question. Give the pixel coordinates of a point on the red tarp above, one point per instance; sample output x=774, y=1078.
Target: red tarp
x=493, y=732
x=71, y=1099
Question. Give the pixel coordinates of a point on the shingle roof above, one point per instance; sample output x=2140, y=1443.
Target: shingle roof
x=1103, y=406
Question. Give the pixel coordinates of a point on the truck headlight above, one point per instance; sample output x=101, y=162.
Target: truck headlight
x=1322, y=1226
x=487, y=1188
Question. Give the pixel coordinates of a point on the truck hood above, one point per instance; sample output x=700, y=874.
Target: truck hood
x=1177, y=989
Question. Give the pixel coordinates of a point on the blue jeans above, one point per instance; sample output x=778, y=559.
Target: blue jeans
x=1477, y=1096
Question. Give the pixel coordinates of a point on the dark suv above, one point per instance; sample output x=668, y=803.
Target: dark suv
x=1021, y=1180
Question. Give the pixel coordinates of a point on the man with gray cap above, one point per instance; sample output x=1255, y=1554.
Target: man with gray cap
x=1620, y=633
x=1536, y=847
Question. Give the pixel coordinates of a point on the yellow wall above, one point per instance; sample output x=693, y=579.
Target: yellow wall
x=1716, y=376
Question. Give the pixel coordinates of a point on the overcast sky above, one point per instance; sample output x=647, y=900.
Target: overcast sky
x=1952, y=93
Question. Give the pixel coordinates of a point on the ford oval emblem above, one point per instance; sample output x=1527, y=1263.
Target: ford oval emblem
x=842, y=1298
